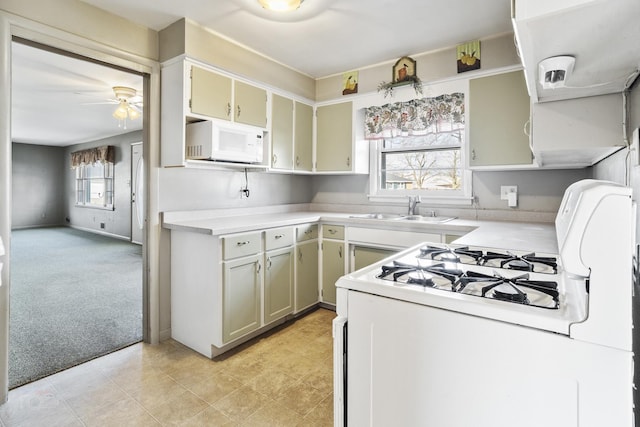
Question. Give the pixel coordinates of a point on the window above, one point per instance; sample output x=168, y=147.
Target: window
x=419, y=149
x=94, y=185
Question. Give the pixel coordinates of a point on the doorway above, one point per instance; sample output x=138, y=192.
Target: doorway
x=64, y=213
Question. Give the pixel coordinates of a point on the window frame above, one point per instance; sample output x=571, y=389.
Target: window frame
x=83, y=185
x=461, y=196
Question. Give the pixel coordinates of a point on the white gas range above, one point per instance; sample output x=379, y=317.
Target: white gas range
x=469, y=336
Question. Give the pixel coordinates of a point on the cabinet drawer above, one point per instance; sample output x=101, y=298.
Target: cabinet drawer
x=238, y=245
x=333, y=232
x=278, y=238
x=307, y=232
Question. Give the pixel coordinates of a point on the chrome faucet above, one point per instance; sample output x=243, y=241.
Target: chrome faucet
x=413, y=201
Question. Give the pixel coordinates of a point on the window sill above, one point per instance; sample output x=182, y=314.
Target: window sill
x=102, y=208
x=426, y=200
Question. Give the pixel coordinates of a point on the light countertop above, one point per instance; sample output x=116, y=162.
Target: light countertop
x=538, y=237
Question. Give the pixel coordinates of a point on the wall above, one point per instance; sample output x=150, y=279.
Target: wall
x=117, y=221
x=497, y=52
x=188, y=38
x=37, y=186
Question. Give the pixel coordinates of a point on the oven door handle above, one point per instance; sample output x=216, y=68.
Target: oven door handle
x=340, y=371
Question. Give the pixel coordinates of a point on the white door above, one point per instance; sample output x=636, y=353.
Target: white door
x=137, y=195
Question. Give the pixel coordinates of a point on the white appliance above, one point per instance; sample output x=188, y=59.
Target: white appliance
x=1, y=256
x=444, y=335
x=224, y=141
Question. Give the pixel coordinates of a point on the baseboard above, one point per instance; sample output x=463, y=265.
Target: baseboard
x=165, y=335
x=103, y=233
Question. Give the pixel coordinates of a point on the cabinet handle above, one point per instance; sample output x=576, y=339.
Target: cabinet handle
x=300, y=255
x=332, y=231
x=349, y=161
x=279, y=236
x=258, y=267
x=275, y=159
x=238, y=111
x=297, y=160
x=473, y=154
x=228, y=109
x=307, y=232
x=246, y=242
x=269, y=263
x=527, y=128
x=340, y=251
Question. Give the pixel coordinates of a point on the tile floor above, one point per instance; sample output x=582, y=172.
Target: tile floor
x=283, y=379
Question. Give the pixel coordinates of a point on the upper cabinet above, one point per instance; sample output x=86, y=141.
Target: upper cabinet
x=291, y=135
x=499, y=110
x=250, y=104
x=190, y=92
x=337, y=150
x=210, y=94
x=303, y=137
x=602, y=36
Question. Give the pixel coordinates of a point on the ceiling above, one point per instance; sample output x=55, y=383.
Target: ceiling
x=54, y=96
x=58, y=100
x=325, y=37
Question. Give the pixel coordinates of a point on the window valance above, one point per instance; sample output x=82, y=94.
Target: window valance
x=413, y=117
x=106, y=153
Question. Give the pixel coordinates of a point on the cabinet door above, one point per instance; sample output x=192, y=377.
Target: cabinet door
x=333, y=253
x=499, y=108
x=306, y=275
x=241, y=297
x=364, y=256
x=334, y=137
x=250, y=104
x=278, y=286
x=210, y=94
x=303, y=139
x=281, y=132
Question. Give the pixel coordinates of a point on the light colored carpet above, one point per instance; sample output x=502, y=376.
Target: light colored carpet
x=74, y=296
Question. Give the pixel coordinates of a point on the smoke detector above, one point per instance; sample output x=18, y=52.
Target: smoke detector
x=553, y=72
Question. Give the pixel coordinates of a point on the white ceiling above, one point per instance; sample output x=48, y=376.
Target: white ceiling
x=51, y=92
x=58, y=100
x=325, y=37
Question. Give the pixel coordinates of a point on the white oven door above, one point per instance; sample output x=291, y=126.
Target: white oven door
x=415, y=365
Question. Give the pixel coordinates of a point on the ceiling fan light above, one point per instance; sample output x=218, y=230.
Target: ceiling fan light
x=280, y=5
x=133, y=113
x=121, y=111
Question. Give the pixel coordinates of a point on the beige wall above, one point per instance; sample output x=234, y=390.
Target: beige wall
x=89, y=22
x=187, y=37
x=496, y=52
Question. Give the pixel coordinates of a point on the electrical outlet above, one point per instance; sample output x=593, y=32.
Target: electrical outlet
x=506, y=189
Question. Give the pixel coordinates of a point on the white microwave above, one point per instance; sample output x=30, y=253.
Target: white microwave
x=224, y=141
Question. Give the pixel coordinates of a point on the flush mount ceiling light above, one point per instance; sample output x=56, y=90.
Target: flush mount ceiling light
x=553, y=72
x=125, y=109
x=280, y=5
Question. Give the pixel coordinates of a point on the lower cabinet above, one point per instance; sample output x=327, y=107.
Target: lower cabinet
x=306, y=274
x=333, y=267
x=278, y=284
x=241, y=297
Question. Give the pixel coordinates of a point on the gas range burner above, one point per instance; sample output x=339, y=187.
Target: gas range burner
x=463, y=254
x=521, y=290
x=433, y=276
x=529, y=262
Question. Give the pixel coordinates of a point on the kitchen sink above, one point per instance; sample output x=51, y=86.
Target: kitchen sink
x=431, y=219
x=378, y=216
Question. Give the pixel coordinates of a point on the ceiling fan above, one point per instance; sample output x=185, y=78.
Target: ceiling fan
x=129, y=104
x=127, y=108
